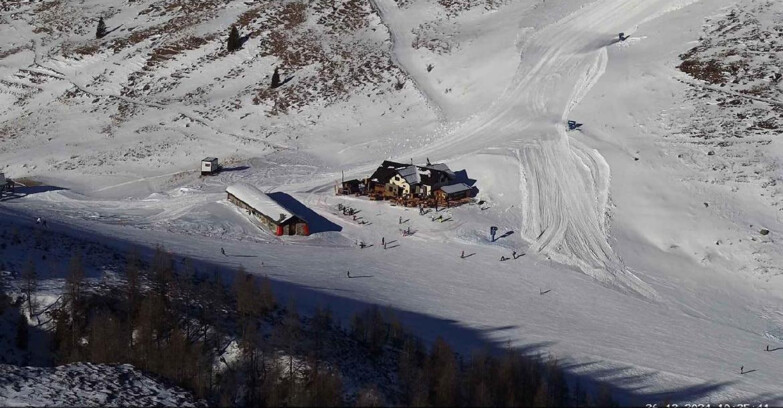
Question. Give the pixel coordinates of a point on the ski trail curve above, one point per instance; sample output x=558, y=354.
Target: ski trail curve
x=565, y=184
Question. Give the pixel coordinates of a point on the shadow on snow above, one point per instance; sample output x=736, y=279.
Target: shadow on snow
x=627, y=386
x=315, y=221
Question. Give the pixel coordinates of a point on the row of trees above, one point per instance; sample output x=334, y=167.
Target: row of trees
x=440, y=377
x=168, y=320
x=171, y=321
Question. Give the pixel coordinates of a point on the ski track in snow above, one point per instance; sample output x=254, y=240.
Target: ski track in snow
x=560, y=210
x=564, y=212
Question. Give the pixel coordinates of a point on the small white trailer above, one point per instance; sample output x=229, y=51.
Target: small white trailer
x=209, y=165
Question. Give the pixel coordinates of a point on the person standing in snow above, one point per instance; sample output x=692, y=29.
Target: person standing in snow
x=514, y=254
x=742, y=369
x=462, y=255
x=400, y=221
x=383, y=241
x=348, y=273
x=223, y=251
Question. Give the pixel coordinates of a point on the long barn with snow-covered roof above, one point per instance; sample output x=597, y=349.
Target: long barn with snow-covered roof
x=272, y=215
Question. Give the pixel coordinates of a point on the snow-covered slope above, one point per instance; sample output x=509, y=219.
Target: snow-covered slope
x=87, y=385
x=659, y=281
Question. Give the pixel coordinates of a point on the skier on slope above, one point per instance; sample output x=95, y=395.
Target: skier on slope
x=223, y=251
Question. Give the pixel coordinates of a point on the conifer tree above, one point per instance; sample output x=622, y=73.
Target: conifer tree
x=29, y=285
x=233, y=39
x=275, y=79
x=101, y=31
x=22, y=333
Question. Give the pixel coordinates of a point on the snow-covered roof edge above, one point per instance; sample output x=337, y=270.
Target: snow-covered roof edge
x=260, y=201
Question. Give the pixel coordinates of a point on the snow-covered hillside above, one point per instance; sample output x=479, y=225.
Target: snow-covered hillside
x=645, y=224
x=87, y=385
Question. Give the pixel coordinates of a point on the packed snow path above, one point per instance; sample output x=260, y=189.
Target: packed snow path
x=565, y=185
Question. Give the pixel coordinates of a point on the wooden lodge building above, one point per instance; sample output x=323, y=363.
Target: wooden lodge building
x=409, y=184
x=269, y=213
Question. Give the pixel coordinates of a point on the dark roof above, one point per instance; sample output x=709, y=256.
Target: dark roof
x=455, y=188
x=394, y=165
x=413, y=174
x=442, y=167
x=383, y=174
x=410, y=174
